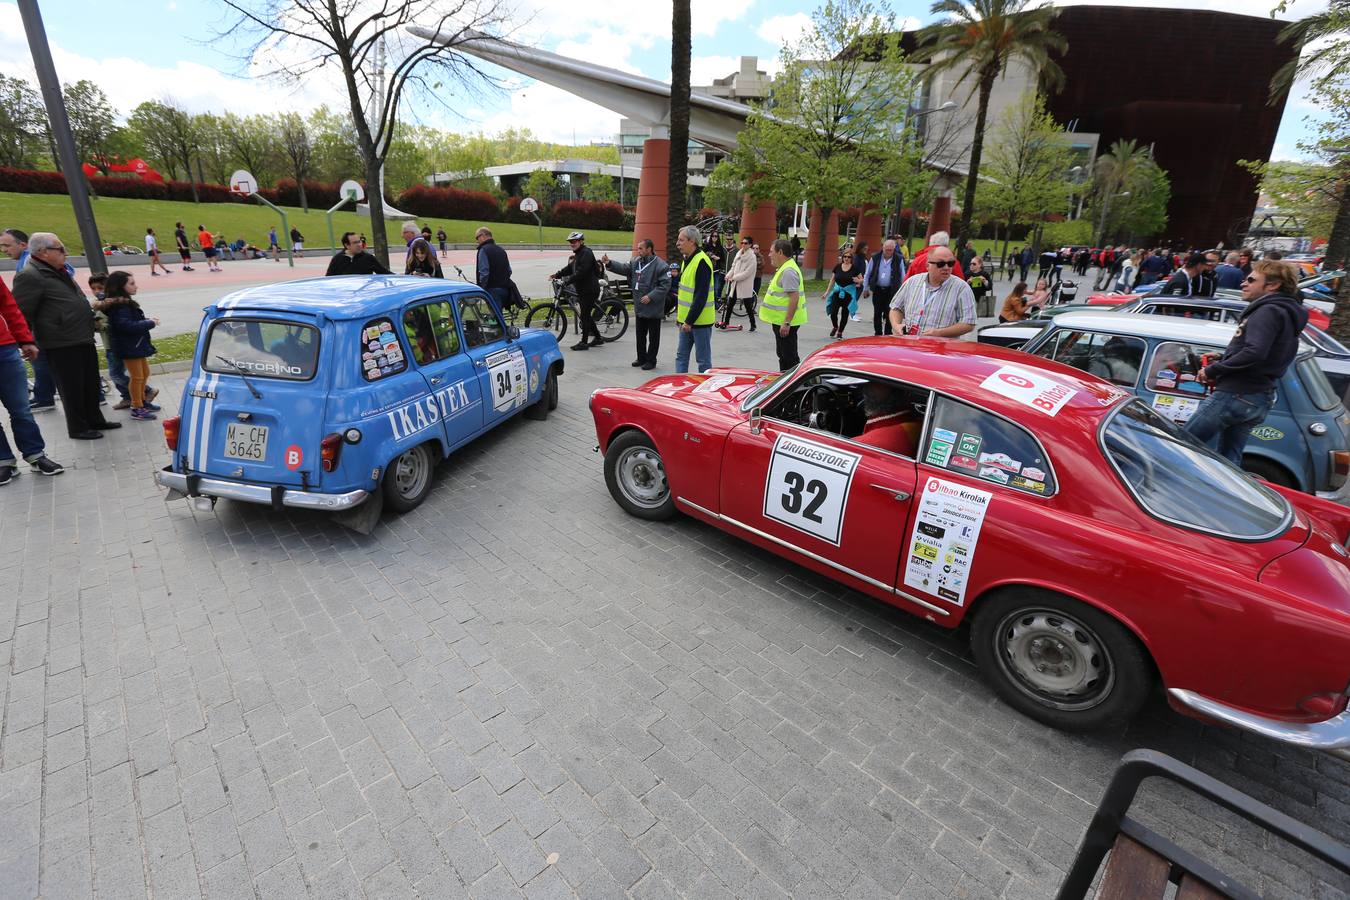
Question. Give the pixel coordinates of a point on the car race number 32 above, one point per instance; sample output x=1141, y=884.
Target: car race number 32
x=506, y=372
x=808, y=486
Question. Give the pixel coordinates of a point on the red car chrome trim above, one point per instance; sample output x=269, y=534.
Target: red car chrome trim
x=1330, y=735
x=815, y=556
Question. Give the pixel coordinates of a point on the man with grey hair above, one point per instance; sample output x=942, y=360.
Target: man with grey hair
x=410, y=233
x=63, y=324
x=920, y=264
x=694, y=309
x=14, y=244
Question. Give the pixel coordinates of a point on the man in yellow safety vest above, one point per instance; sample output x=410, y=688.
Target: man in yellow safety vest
x=694, y=311
x=783, y=306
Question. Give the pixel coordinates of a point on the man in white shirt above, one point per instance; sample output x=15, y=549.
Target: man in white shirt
x=885, y=274
x=934, y=304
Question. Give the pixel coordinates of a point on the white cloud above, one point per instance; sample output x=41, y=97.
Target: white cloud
x=554, y=115
x=778, y=30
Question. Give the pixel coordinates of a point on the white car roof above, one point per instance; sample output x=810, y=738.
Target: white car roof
x=1171, y=328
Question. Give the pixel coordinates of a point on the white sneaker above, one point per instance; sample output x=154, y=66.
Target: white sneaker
x=856, y=319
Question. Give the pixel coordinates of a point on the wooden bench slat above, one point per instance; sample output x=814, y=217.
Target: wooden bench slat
x=1133, y=872
x=1194, y=889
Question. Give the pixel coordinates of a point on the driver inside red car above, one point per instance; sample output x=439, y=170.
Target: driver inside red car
x=892, y=422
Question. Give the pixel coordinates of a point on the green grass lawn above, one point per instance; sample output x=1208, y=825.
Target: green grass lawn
x=125, y=221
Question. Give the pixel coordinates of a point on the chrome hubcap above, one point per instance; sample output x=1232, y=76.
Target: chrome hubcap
x=1054, y=658
x=642, y=477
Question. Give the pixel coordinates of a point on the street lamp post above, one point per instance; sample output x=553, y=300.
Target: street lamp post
x=65, y=144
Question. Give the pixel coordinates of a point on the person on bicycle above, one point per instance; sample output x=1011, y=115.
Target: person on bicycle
x=649, y=276
x=583, y=273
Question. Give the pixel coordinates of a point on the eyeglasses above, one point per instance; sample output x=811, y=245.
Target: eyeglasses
x=1250, y=279
x=847, y=256
x=943, y=263
x=58, y=249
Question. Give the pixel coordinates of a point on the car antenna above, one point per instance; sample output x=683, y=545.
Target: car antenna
x=243, y=373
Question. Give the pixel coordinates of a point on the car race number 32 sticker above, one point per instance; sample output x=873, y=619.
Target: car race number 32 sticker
x=941, y=549
x=808, y=485
x=1029, y=388
x=506, y=375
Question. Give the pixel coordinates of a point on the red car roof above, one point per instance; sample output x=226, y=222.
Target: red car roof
x=959, y=368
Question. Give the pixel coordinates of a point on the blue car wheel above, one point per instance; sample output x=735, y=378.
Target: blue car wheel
x=407, y=480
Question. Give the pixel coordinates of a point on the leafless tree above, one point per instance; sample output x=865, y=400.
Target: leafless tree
x=367, y=43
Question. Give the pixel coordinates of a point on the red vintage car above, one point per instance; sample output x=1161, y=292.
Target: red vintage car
x=1093, y=548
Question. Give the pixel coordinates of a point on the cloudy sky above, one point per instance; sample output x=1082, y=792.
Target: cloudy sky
x=162, y=48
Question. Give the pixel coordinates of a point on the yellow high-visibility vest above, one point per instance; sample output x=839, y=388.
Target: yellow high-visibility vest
x=708, y=314
x=773, y=309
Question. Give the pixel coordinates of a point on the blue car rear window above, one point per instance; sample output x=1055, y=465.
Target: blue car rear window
x=262, y=348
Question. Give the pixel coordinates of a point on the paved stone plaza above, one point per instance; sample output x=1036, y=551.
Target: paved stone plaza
x=520, y=690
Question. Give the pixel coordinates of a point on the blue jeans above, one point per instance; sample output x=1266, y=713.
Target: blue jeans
x=1225, y=421
x=44, y=386
x=14, y=396
x=117, y=371
x=700, y=339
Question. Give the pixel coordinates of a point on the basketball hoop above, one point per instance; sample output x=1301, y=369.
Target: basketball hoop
x=243, y=183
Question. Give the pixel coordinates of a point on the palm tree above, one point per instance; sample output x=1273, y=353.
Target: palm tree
x=980, y=38
x=1326, y=37
x=679, y=121
x=1113, y=172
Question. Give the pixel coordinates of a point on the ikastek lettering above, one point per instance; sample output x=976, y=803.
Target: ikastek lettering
x=427, y=411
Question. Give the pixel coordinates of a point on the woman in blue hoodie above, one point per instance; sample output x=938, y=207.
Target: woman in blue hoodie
x=129, y=332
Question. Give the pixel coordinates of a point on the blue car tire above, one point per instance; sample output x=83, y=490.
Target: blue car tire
x=408, y=477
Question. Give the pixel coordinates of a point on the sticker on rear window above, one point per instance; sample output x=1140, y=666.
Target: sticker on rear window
x=1029, y=389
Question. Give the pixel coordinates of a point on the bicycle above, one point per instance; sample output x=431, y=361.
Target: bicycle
x=610, y=316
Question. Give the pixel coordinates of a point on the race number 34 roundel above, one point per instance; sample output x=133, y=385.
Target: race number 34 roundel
x=807, y=487
x=1028, y=388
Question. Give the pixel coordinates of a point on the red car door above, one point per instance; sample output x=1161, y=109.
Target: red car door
x=841, y=504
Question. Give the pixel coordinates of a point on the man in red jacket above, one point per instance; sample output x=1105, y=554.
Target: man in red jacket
x=920, y=264
x=16, y=345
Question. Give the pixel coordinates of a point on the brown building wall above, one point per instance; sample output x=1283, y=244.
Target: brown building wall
x=1194, y=84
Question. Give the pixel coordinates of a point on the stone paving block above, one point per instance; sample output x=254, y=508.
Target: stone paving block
x=229, y=879
x=343, y=801
x=483, y=805
x=466, y=850
x=214, y=837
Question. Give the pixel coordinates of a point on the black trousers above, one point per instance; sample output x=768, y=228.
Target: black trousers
x=881, y=309
x=730, y=303
x=588, y=326
x=75, y=370
x=648, y=339
x=786, y=348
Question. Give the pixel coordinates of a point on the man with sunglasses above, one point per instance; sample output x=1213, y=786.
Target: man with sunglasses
x=1244, y=377
x=934, y=304
x=63, y=323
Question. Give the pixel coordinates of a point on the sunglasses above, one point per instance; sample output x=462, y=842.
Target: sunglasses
x=1250, y=279
x=943, y=264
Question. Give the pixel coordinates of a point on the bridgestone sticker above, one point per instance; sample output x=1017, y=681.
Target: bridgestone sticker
x=941, y=549
x=1029, y=389
x=808, y=486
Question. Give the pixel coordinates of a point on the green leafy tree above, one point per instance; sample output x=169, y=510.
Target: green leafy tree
x=542, y=186
x=979, y=38
x=1027, y=169
x=93, y=124
x=214, y=153
x=23, y=122
x=726, y=189
x=168, y=133
x=1114, y=173
x=833, y=128
x=601, y=189
x=1143, y=214
x=336, y=157
x=252, y=141
x=1309, y=191
x=292, y=139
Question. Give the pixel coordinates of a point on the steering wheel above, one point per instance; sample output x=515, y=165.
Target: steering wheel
x=818, y=407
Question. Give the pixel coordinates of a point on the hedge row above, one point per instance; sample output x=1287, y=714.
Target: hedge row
x=480, y=206
x=27, y=181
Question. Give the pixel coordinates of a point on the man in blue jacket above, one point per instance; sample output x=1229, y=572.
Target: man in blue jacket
x=1229, y=273
x=1244, y=377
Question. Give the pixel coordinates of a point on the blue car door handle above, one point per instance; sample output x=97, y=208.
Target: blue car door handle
x=479, y=363
x=435, y=379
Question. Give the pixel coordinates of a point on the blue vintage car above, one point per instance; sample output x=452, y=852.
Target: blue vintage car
x=343, y=393
x=1304, y=442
